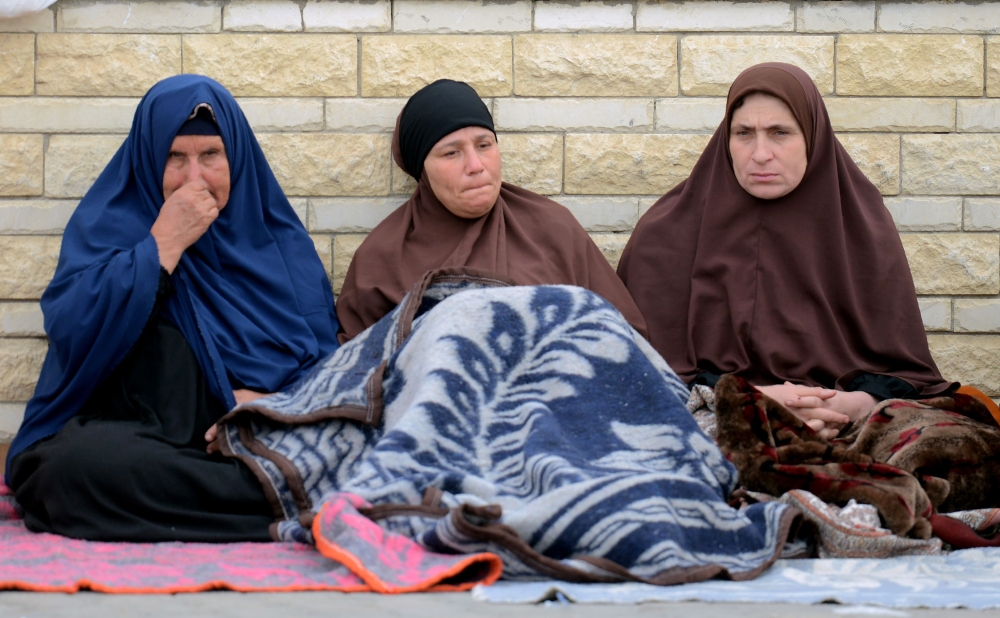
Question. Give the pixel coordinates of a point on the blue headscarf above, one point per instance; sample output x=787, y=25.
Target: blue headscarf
x=251, y=295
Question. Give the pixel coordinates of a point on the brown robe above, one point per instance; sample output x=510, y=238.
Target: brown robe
x=526, y=238
x=812, y=287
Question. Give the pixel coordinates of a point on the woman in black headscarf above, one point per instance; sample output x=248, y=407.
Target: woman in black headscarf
x=462, y=214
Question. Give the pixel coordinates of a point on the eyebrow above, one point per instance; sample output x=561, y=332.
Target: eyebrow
x=769, y=127
x=200, y=152
x=478, y=136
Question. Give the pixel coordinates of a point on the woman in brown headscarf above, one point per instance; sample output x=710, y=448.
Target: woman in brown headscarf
x=777, y=261
x=461, y=214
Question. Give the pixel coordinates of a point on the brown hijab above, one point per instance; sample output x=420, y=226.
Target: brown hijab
x=526, y=238
x=812, y=287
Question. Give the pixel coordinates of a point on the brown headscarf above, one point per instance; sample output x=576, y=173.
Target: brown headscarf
x=526, y=238
x=812, y=287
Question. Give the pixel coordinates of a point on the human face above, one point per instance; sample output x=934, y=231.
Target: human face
x=194, y=157
x=463, y=170
x=767, y=146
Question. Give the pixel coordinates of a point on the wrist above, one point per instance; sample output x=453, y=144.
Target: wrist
x=168, y=253
x=864, y=402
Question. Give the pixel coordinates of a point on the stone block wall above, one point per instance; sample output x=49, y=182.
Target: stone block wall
x=604, y=105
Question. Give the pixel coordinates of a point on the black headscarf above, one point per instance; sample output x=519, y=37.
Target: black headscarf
x=433, y=112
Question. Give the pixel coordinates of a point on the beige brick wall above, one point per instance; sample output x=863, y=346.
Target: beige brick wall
x=603, y=105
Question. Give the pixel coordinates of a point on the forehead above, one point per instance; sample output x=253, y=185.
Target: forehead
x=759, y=107
x=464, y=135
x=196, y=143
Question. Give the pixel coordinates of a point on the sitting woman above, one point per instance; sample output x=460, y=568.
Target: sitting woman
x=186, y=284
x=462, y=214
x=777, y=261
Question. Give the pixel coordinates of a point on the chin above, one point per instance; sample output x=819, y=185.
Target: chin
x=769, y=193
x=483, y=203
x=479, y=211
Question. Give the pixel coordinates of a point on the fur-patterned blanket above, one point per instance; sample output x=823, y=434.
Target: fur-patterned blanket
x=531, y=422
x=907, y=458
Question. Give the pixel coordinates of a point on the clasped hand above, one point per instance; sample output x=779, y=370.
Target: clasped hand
x=825, y=410
x=183, y=219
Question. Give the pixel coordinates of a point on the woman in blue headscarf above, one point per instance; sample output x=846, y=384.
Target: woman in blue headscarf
x=186, y=284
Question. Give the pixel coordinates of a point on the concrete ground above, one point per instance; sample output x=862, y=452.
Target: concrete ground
x=447, y=605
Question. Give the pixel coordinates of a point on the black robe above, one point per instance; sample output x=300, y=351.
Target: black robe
x=132, y=465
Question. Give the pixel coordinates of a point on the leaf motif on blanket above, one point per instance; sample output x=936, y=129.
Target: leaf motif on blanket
x=492, y=387
x=541, y=401
x=667, y=448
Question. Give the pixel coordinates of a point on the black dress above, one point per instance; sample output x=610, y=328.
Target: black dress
x=132, y=466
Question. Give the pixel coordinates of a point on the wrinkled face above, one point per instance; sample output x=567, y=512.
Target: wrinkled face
x=463, y=170
x=767, y=147
x=198, y=156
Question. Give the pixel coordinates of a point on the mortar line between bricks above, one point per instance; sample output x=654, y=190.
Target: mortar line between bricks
x=513, y=76
x=901, y=169
x=986, y=60
x=359, y=80
x=34, y=68
x=836, y=71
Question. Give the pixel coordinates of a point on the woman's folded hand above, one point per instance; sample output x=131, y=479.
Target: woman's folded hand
x=813, y=404
x=242, y=396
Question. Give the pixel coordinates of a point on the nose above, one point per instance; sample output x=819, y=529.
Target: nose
x=474, y=164
x=761, y=151
x=194, y=171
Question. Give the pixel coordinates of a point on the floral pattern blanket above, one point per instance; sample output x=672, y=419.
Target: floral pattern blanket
x=909, y=459
x=532, y=423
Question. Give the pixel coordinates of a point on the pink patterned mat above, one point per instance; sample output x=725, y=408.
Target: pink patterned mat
x=362, y=558
x=50, y=563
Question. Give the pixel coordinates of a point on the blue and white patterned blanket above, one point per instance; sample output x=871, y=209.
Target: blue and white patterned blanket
x=542, y=401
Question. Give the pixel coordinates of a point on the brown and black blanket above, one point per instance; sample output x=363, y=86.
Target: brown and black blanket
x=910, y=459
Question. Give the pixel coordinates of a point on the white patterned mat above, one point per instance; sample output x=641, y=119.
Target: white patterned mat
x=969, y=578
